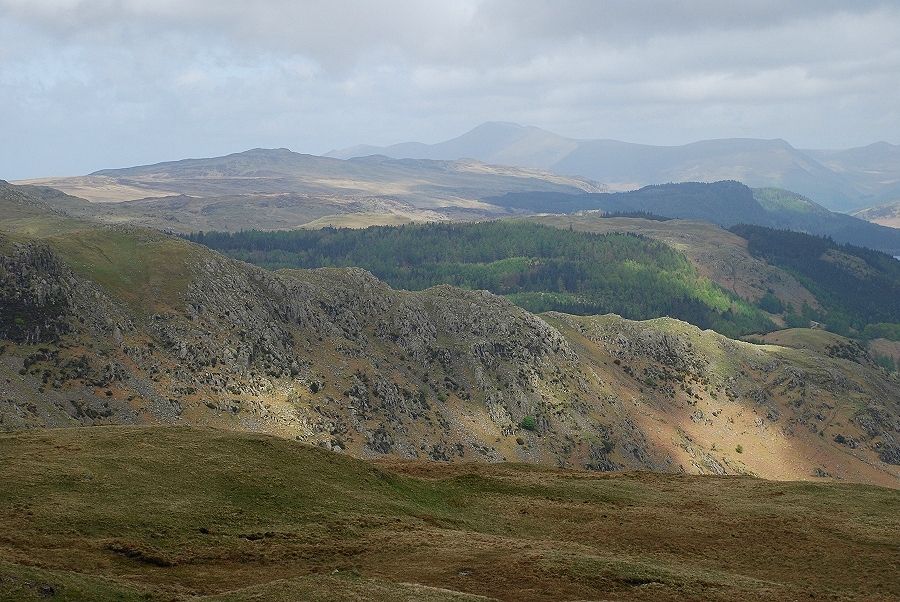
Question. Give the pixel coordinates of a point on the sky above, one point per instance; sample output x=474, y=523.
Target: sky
x=92, y=84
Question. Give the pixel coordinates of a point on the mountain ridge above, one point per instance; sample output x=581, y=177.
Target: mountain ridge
x=281, y=189
x=274, y=171
x=828, y=176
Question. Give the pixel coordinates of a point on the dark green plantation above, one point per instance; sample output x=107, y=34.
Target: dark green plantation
x=858, y=288
x=552, y=269
x=537, y=267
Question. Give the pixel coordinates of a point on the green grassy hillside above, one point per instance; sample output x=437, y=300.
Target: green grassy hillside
x=172, y=513
x=716, y=253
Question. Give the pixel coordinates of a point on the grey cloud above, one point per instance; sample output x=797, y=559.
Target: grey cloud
x=86, y=84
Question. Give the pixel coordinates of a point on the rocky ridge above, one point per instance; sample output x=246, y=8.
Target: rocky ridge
x=117, y=325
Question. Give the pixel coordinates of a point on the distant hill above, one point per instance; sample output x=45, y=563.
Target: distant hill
x=724, y=203
x=887, y=214
x=278, y=188
x=796, y=212
x=855, y=286
x=874, y=170
x=840, y=180
x=276, y=171
x=716, y=253
x=495, y=142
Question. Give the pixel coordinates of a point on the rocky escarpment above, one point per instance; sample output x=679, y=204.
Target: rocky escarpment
x=41, y=299
x=714, y=395
x=334, y=357
x=338, y=352
x=47, y=314
x=35, y=295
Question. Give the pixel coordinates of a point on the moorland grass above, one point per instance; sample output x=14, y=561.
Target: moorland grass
x=176, y=513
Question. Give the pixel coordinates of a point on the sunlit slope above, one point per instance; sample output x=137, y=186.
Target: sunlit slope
x=887, y=214
x=717, y=253
x=722, y=406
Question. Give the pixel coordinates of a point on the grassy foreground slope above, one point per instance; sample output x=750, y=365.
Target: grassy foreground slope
x=175, y=513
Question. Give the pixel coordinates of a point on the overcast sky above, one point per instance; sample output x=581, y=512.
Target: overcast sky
x=88, y=84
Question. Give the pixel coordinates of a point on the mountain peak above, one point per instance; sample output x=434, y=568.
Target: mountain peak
x=267, y=151
x=500, y=126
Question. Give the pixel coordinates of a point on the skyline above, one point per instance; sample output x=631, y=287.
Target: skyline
x=93, y=85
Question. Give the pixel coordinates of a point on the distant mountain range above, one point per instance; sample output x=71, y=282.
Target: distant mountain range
x=281, y=189
x=841, y=180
